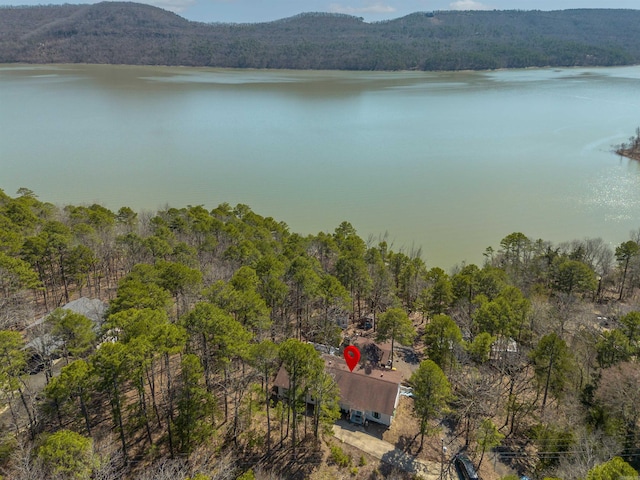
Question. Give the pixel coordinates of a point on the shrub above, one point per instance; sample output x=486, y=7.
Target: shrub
x=248, y=475
x=340, y=458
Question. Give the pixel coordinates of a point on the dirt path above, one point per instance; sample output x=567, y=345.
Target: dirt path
x=387, y=452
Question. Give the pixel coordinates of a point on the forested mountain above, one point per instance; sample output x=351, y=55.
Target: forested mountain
x=536, y=351
x=130, y=33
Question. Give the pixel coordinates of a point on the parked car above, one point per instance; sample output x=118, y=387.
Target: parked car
x=465, y=467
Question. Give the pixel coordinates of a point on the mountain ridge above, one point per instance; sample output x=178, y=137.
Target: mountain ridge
x=133, y=33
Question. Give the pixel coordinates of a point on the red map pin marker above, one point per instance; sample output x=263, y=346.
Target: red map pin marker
x=351, y=356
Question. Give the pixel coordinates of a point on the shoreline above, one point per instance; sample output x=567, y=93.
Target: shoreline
x=632, y=149
x=633, y=155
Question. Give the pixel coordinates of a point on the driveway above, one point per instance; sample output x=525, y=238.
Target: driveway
x=387, y=452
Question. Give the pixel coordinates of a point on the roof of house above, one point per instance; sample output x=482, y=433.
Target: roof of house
x=366, y=388
x=94, y=309
x=376, y=353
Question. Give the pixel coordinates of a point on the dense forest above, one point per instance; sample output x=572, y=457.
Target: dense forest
x=129, y=33
x=531, y=358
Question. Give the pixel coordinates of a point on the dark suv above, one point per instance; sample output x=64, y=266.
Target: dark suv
x=465, y=467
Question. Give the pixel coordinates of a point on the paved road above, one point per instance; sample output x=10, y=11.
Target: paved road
x=387, y=452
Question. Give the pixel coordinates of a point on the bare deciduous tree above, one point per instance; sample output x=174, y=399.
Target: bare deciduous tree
x=618, y=393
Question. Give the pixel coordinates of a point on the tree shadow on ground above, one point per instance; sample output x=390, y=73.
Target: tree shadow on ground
x=280, y=461
x=402, y=461
x=406, y=443
x=389, y=472
x=376, y=430
x=409, y=355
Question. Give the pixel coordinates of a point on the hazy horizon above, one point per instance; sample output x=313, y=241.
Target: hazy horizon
x=252, y=11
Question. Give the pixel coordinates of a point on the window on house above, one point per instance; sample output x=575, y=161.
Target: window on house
x=376, y=415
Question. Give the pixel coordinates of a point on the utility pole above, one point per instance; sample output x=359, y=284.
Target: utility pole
x=444, y=450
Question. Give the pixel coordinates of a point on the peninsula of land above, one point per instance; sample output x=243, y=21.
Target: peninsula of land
x=631, y=149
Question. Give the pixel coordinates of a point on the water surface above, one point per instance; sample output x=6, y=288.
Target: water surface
x=449, y=162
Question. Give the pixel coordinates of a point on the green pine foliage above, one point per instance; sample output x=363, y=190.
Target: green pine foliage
x=66, y=454
x=207, y=308
x=339, y=457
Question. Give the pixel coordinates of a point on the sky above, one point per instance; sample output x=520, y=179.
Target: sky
x=243, y=11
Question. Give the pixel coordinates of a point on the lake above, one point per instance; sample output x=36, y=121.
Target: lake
x=448, y=162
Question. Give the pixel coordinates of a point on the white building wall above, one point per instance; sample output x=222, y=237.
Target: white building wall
x=383, y=418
